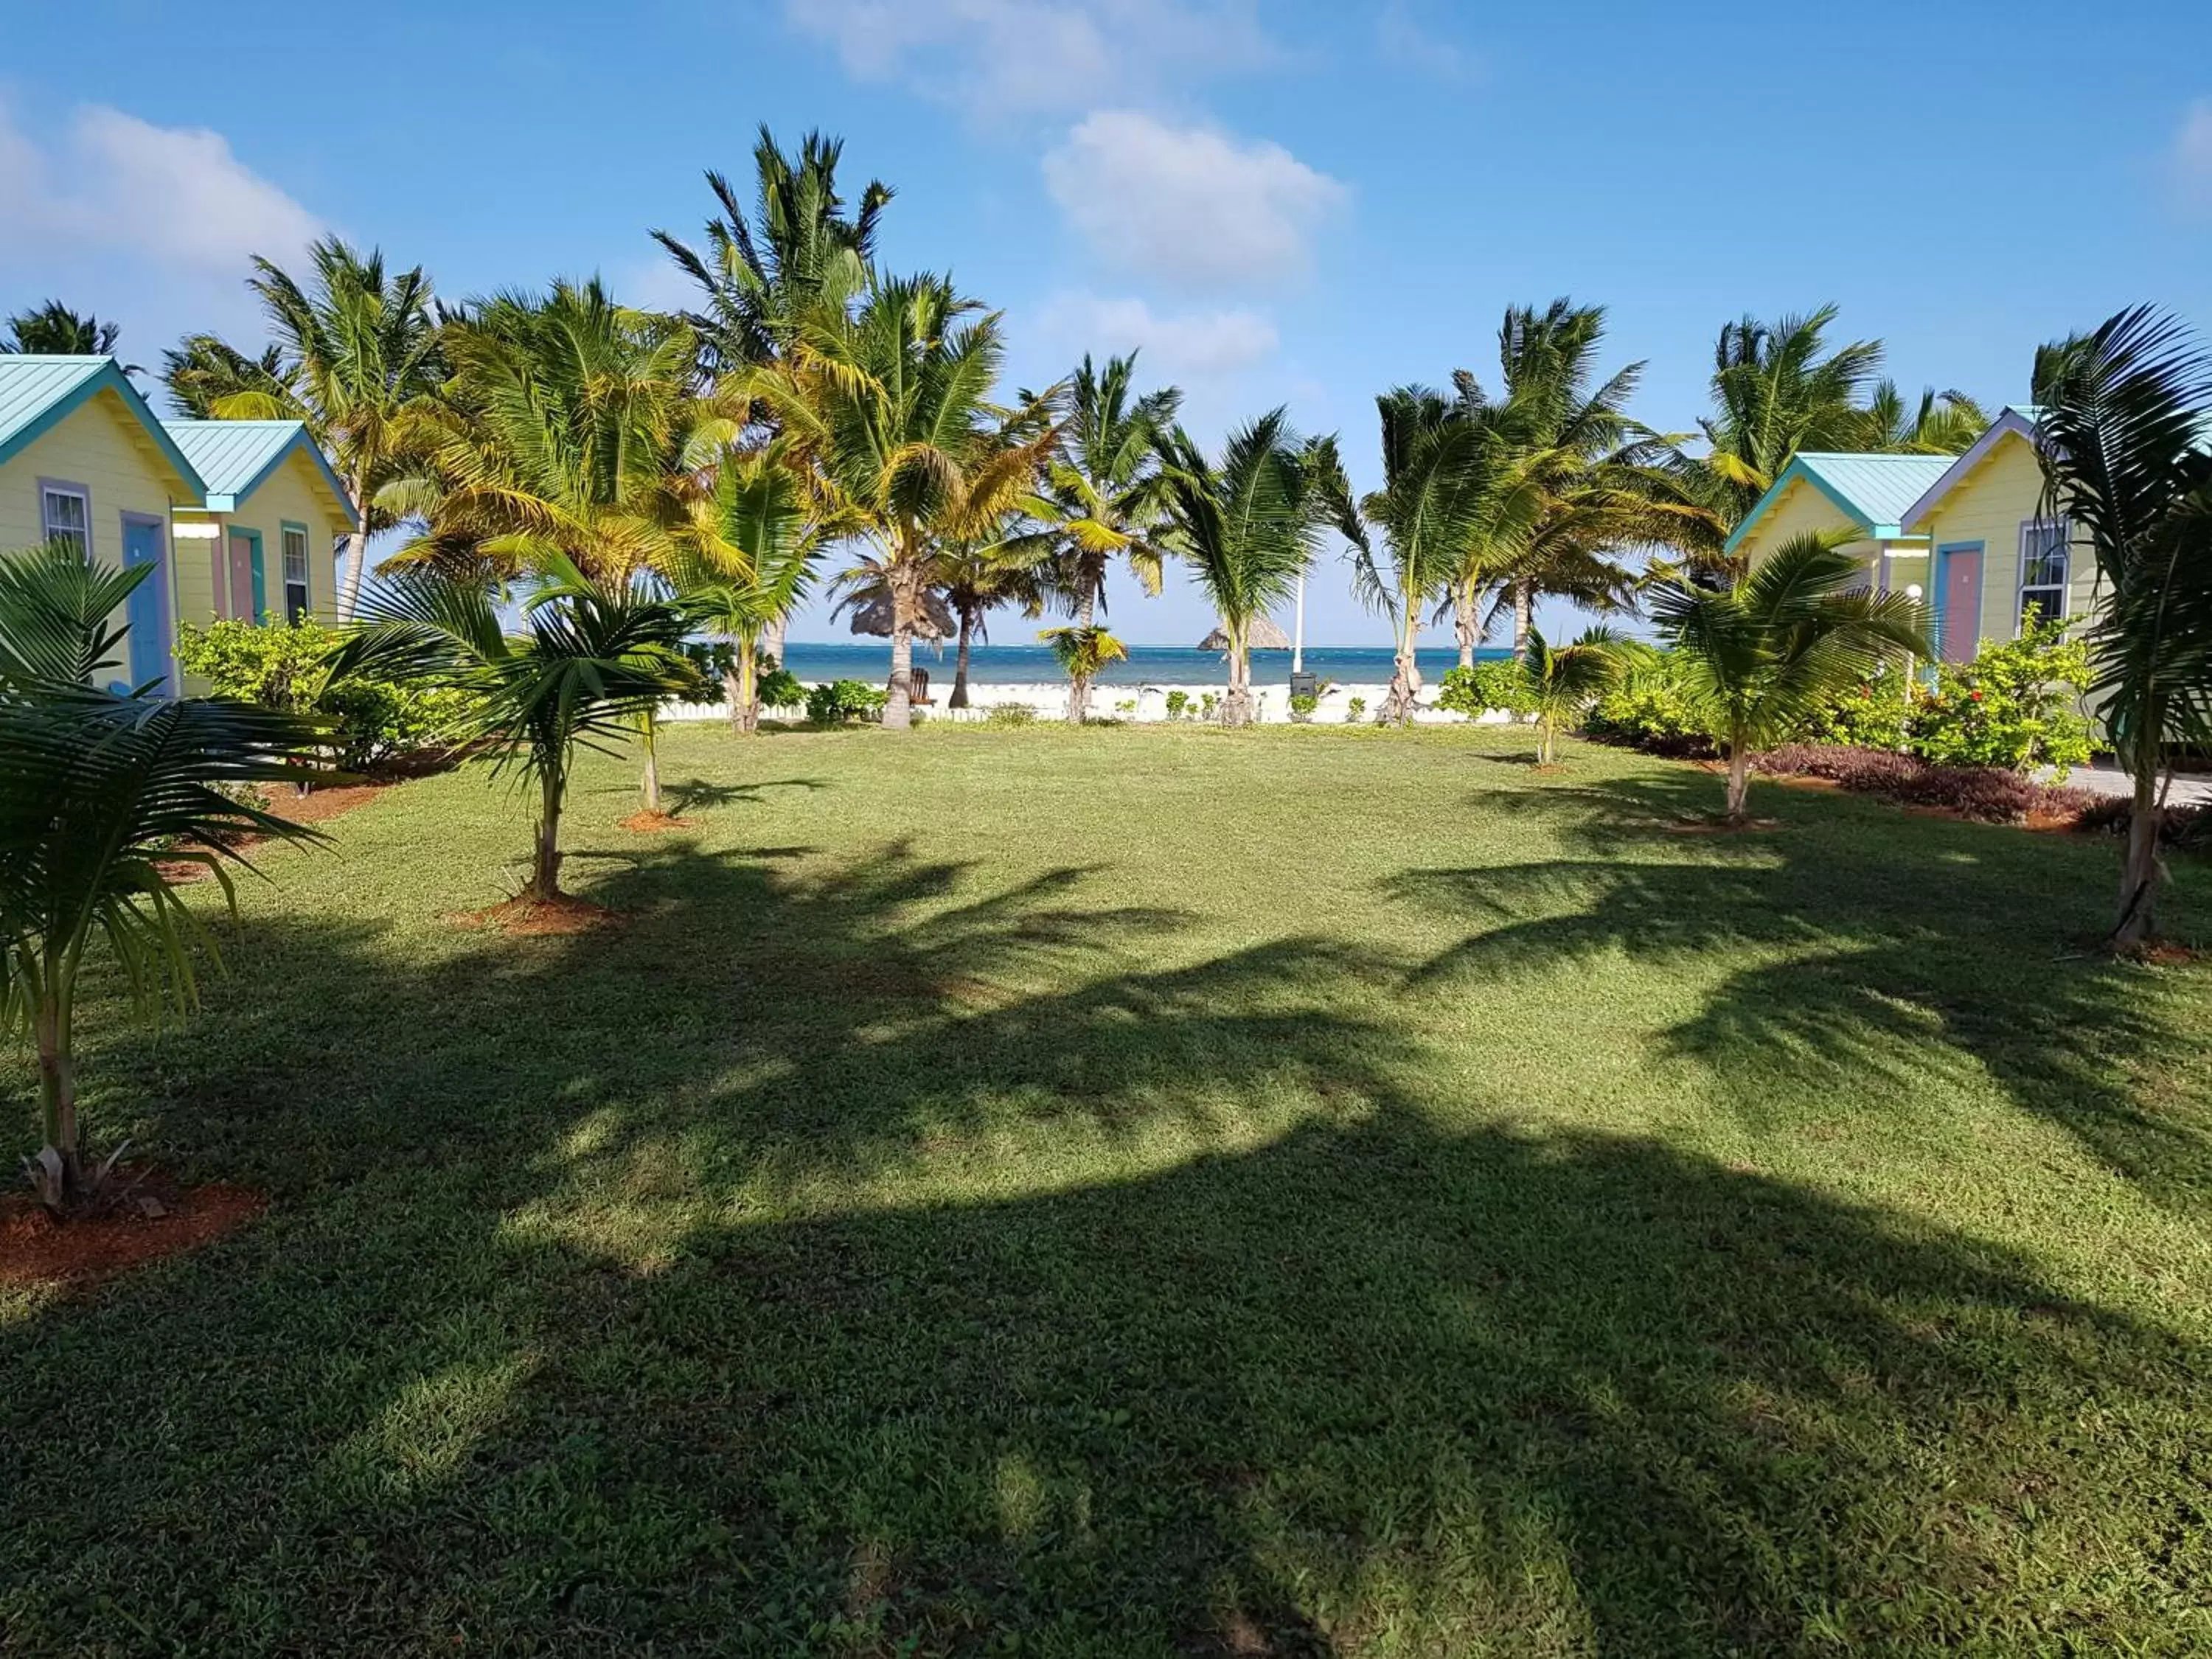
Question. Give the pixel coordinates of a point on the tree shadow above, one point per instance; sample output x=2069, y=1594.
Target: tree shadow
x=1869, y=953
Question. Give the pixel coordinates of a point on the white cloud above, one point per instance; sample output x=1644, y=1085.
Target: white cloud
x=2191, y=160
x=1179, y=347
x=996, y=56
x=1406, y=41
x=114, y=182
x=1189, y=204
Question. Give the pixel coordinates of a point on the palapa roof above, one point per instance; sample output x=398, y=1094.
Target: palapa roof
x=873, y=616
x=1266, y=636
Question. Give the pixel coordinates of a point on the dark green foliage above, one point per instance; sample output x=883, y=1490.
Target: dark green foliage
x=1487, y=685
x=836, y=701
x=1989, y=794
x=779, y=687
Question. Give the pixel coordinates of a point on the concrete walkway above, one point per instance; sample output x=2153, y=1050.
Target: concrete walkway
x=2189, y=789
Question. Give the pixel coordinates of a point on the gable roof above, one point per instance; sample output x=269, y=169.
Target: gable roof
x=234, y=457
x=38, y=393
x=2019, y=423
x=1873, y=491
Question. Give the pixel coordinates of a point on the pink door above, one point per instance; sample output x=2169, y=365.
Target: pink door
x=241, y=578
x=1962, y=603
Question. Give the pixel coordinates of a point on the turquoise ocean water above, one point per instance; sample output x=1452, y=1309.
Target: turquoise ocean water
x=1147, y=664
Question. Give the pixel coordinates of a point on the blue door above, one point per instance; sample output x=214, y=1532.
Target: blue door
x=149, y=610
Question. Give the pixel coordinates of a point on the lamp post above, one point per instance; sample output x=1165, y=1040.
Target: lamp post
x=1912, y=592
x=1299, y=630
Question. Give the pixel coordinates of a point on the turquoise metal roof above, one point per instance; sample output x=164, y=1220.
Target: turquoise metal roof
x=37, y=392
x=234, y=457
x=1876, y=491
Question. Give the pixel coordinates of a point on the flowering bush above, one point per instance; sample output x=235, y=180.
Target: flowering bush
x=2017, y=704
x=1487, y=685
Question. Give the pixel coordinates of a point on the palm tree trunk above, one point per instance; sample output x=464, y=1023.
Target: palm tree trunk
x=773, y=642
x=733, y=699
x=545, y=870
x=57, y=1091
x=1398, y=706
x=1467, y=620
x=748, y=707
x=959, y=697
x=1739, y=782
x=649, y=786
x=2139, y=872
x=357, y=547
x=1524, y=619
x=1237, y=707
x=1079, y=684
x=906, y=605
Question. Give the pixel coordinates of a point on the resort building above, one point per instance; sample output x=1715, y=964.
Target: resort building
x=239, y=519
x=1968, y=530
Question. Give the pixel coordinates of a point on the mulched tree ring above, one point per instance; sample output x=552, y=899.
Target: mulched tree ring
x=523, y=917
x=147, y=1218
x=653, y=824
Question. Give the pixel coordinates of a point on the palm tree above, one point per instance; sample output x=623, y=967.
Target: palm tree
x=1438, y=472
x=1776, y=389
x=1942, y=423
x=52, y=330
x=1560, y=682
x=2126, y=435
x=977, y=580
x=591, y=659
x=1250, y=527
x=1104, y=496
x=801, y=249
x=1083, y=654
x=893, y=404
x=203, y=370
x=100, y=794
x=1765, y=651
x=746, y=560
x=359, y=357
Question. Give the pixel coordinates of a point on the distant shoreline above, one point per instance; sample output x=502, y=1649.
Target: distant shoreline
x=1147, y=664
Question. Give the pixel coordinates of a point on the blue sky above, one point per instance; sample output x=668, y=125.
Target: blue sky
x=1300, y=203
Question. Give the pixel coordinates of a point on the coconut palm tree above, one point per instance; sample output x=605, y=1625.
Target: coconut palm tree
x=1102, y=498
x=979, y=579
x=2126, y=435
x=1777, y=389
x=1942, y=423
x=894, y=404
x=358, y=355
x=1249, y=527
x=1439, y=473
x=1797, y=631
x=591, y=659
x=52, y=330
x=745, y=560
x=800, y=249
x=1560, y=682
x=101, y=795
x=1083, y=654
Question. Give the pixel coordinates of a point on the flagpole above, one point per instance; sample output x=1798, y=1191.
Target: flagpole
x=1299, y=630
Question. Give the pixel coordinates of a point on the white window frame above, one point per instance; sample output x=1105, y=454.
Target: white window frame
x=49, y=490
x=292, y=545
x=2035, y=530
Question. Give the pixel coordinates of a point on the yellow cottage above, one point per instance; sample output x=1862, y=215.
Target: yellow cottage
x=1967, y=531
x=239, y=519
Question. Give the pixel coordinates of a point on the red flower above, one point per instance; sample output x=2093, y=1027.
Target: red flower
x=1976, y=695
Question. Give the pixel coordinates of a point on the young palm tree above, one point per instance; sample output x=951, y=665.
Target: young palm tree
x=1102, y=497
x=1800, y=629
x=100, y=792
x=745, y=561
x=2126, y=435
x=1083, y=654
x=1439, y=470
x=592, y=658
x=1942, y=423
x=1250, y=527
x=358, y=355
x=52, y=330
x=894, y=404
x=1560, y=682
x=801, y=249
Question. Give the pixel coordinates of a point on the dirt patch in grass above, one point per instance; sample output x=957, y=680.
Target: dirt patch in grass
x=522, y=917
x=651, y=823
x=1719, y=826
x=317, y=807
x=150, y=1220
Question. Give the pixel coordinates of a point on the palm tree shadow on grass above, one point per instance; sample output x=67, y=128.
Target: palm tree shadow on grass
x=1900, y=941
x=585, y=1318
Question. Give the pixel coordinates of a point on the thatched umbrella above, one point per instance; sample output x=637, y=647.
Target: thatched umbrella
x=1264, y=635
x=873, y=616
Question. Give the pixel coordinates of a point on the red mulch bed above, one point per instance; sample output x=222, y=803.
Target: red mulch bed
x=527, y=918
x=148, y=1218
x=315, y=807
x=651, y=823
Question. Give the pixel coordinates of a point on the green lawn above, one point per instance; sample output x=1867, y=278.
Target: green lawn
x=1137, y=1192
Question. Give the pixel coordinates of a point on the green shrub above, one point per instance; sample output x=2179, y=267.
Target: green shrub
x=1303, y=706
x=1010, y=714
x=841, y=701
x=1355, y=711
x=1178, y=704
x=1653, y=707
x=779, y=688
x=1487, y=685
x=2017, y=704
x=1207, y=704
x=380, y=722
x=1876, y=714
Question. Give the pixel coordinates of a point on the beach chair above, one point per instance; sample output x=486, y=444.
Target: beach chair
x=920, y=677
